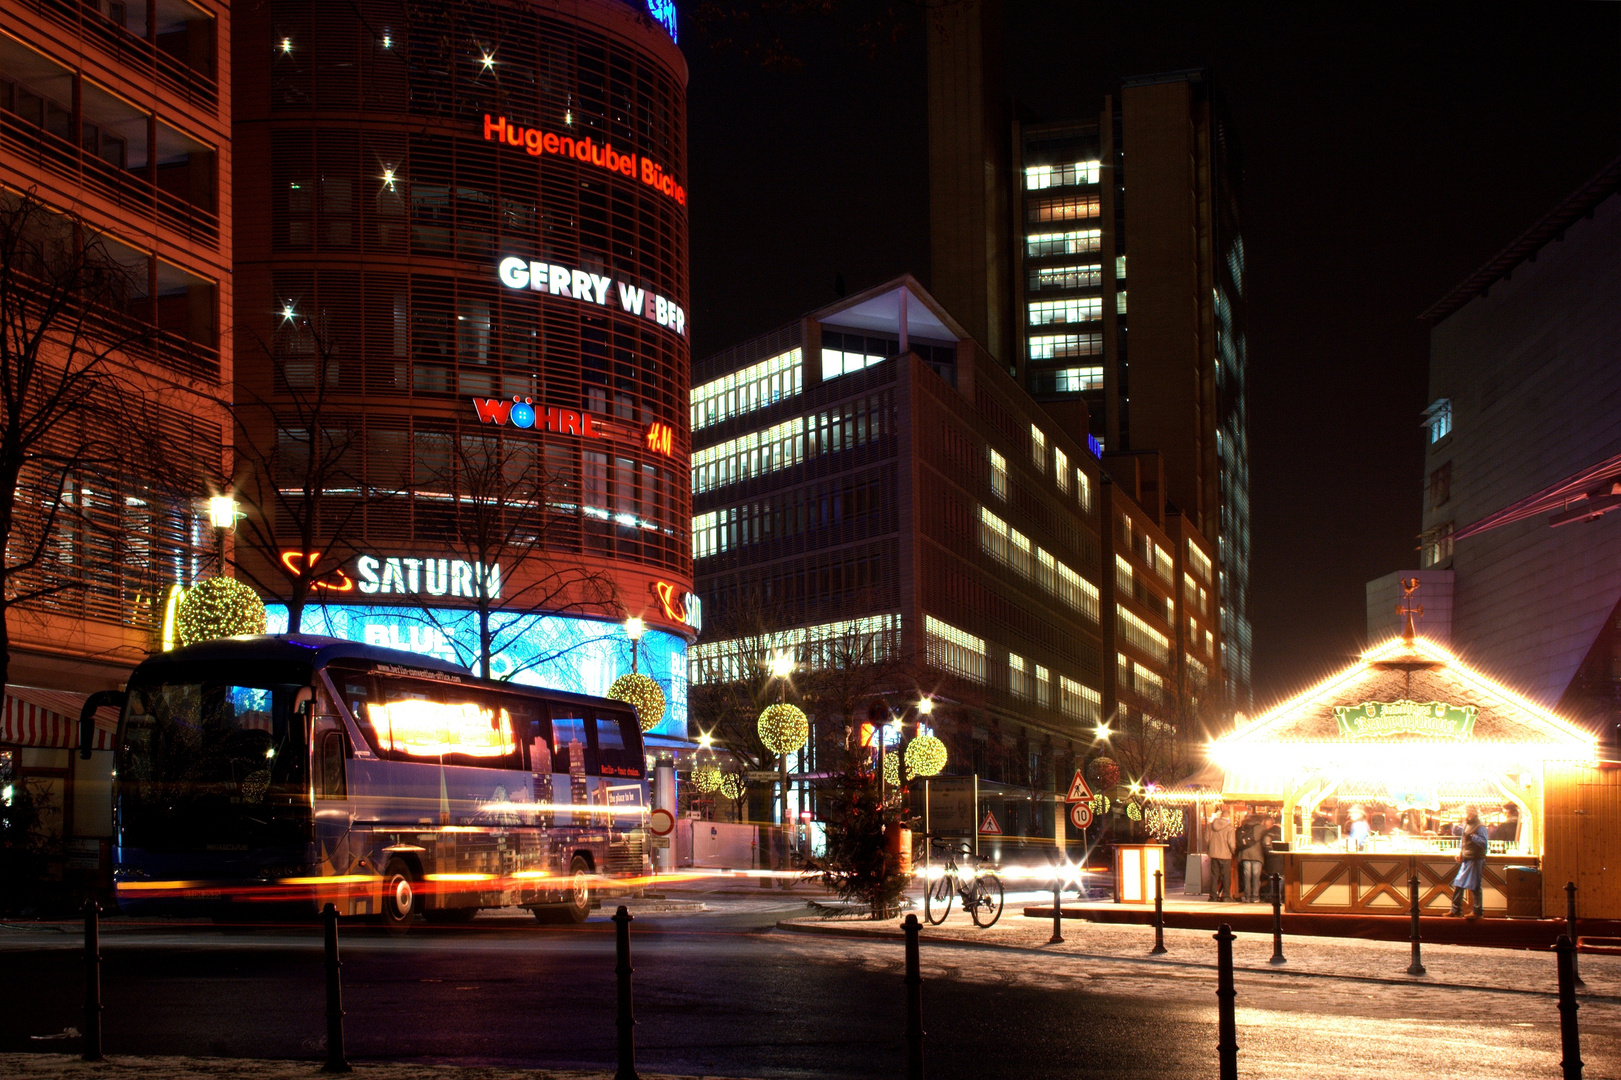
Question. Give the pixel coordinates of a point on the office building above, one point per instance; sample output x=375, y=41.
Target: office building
x=462, y=234
x=1099, y=259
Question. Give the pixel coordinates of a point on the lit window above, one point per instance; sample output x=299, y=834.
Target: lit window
x=1079, y=309
x=1079, y=700
x=1061, y=469
x=1078, y=242
x=873, y=639
x=1083, y=490
x=1066, y=277
x=431, y=729
x=1438, y=418
x=953, y=650
x=1199, y=560
x=836, y=363
x=1067, y=208
x=1436, y=546
x=1140, y=634
x=1038, y=448
x=1043, y=686
x=1064, y=346
x=754, y=387
x=1122, y=574
x=1018, y=677
x=1074, y=380
x=1040, y=177
x=1120, y=267
x=998, y=475
x=1120, y=302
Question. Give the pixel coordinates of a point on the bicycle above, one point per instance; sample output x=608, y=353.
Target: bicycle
x=981, y=892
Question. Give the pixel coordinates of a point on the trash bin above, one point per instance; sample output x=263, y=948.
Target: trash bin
x=1524, y=892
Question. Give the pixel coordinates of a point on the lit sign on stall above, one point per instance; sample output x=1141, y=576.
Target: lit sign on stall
x=588, y=151
x=554, y=279
x=521, y=412
x=1372, y=719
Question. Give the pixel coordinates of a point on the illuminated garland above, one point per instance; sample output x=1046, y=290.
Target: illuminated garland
x=926, y=755
x=643, y=694
x=218, y=608
x=706, y=778
x=1163, y=822
x=783, y=728
x=732, y=785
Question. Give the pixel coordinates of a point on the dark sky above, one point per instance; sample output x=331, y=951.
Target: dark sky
x=1388, y=149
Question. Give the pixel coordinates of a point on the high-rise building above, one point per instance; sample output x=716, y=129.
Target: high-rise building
x=462, y=291
x=869, y=483
x=115, y=120
x=1042, y=231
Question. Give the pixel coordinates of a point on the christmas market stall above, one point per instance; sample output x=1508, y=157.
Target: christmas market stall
x=1364, y=776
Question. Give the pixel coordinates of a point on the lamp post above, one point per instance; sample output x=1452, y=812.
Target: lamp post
x=222, y=516
x=634, y=629
x=783, y=728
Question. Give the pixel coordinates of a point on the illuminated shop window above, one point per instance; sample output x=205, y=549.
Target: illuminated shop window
x=872, y=639
x=1067, y=208
x=1066, y=277
x=1078, y=700
x=1039, y=177
x=1140, y=634
x=998, y=474
x=953, y=650
x=1078, y=309
x=1061, y=469
x=1064, y=346
x=1438, y=419
x=1077, y=242
x=754, y=387
x=1038, y=448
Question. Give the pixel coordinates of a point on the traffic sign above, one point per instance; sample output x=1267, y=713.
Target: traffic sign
x=1080, y=814
x=989, y=826
x=662, y=822
x=1078, y=789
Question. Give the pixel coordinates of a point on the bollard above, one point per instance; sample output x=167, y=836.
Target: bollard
x=1570, y=1040
x=92, y=982
x=914, y=1002
x=1417, y=966
x=1227, y=1027
x=1570, y=923
x=627, y=1024
x=336, y=1061
x=1159, y=914
x=1058, y=931
x=1277, y=920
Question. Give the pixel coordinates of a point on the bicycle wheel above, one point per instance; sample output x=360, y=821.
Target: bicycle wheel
x=987, y=901
x=937, y=898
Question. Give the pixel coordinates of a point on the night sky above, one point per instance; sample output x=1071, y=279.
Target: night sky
x=1388, y=150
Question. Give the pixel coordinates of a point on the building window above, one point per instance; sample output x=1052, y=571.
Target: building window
x=1077, y=592
x=1438, y=419
x=1019, y=683
x=1061, y=469
x=1066, y=277
x=1077, y=379
x=1120, y=302
x=1041, y=177
x=998, y=474
x=1078, y=309
x=1122, y=575
x=1083, y=490
x=1067, y=208
x=836, y=362
x=1044, y=695
x=1079, y=700
x=1076, y=242
x=1038, y=448
x=1140, y=634
x=1120, y=268
x=873, y=639
x=1064, y=346
x=1440, y=487
x=950, y=649
x=1199, y=560
x=1435, y=546
x=754, y=387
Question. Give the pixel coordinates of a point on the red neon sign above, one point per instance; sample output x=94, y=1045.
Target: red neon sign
x=290, y=560
x=674, y=609
x=535, y=142
x=661, y=438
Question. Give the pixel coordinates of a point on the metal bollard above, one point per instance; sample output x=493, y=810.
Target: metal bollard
x=1570, y=1040
x=336, y=1060
x=1570, y=923
x=914, y=1002
x=1159, y=914
x=1227, y=1027
x=1058, y=930
x=92, y=982
x=627, y=1023
x=1417, y=966
x=1277, y=920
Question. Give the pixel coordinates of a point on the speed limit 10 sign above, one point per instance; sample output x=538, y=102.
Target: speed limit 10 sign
x=1080, y=814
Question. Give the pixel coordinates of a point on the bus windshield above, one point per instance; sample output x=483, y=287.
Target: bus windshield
x=213, y=759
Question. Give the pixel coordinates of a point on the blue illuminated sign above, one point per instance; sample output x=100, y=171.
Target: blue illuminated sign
x=663, y=12
x=559, y=652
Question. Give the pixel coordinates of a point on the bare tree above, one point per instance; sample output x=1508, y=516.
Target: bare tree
x=1157, y=740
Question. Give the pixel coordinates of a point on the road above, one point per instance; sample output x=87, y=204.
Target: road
x=726, y=994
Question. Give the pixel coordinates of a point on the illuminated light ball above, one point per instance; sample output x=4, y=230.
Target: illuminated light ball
x=522, y=415
x=1100, y=804
x=783, y=728
x=1104, y=772
x=219, y=608
x=644, y=694
x=926, y=755
x=1134, y=812
x=732, y=785
x=892, y=770
x=706, y=778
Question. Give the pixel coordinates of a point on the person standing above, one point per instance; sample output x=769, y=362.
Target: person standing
x=1220, y=845
x=1251, y=852
x=1472, y=838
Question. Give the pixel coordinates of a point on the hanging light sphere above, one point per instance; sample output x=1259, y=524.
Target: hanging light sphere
x=732, y=785
x=706, y=777
x=1134, y=811
x=892, y=770
x=926, y=755
x=644, y=694
x=783, y=728
x=218, y=608
x=1105, y=772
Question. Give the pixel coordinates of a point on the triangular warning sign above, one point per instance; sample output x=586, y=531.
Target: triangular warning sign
x=989, y=825
x=1078, y=790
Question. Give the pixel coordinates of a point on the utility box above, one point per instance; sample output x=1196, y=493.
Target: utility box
x=1524, y=892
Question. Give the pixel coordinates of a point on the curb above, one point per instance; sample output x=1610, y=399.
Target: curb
x=1032, y=950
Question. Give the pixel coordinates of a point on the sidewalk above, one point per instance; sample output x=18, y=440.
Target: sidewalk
x=1521, y=971
x=121, y=1067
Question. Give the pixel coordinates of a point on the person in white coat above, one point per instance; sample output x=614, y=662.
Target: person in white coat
x=1219, y=842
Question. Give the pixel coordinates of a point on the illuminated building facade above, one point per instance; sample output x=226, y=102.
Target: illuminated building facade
x=118, y=114
x=463, y=240
x=869, y=483
x=1042, y=232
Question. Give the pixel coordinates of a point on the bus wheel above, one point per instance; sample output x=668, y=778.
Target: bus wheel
x=400, y=901
x=578, y=907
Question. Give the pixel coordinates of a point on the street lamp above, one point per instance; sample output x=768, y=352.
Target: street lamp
x=783, y=728
x=222, y=516
x=642, y=693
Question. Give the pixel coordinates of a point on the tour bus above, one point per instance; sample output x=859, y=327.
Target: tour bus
x=256, y=770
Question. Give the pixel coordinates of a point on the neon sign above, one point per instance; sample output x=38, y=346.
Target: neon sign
x=431, y=577
x=682, y=608
x=661, y=438
x=521, y=412
x=556, y=280
x=536, y=142
x=291, y=559
x=663, y=12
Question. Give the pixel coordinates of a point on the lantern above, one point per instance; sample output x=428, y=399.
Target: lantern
x=926, y=755
x=783, y=728
x=217, y=608
x=643, y=694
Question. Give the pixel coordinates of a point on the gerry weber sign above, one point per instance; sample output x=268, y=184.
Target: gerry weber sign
x=553, y=279
x=1372, y=719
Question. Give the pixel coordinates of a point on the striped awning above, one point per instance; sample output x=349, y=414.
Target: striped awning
x=36, y=717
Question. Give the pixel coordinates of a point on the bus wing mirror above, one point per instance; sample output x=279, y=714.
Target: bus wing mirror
x=304, y=701
x=87, y=717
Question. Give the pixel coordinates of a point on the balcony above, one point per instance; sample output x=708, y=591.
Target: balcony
x=177, y=50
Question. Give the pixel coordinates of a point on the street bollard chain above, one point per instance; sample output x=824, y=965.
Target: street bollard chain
x=1277, y=920
x=1159, y=914
x=336, y=1060
x=1570, y=1041
x=914, y=1002
x=1227, y=1026
x=627, y=1024
x=1570, y=923
x=1417, y=966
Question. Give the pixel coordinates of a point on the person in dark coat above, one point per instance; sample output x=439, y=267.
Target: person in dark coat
x=1252, y=845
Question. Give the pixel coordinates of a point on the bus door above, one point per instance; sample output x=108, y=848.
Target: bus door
x=330, y=754
x=574, y=765
x=621, y=783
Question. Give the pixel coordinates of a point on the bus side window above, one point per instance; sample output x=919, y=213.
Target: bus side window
x=572, y=752
x=330, y=755
x=619, y=750
x=540, y=745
